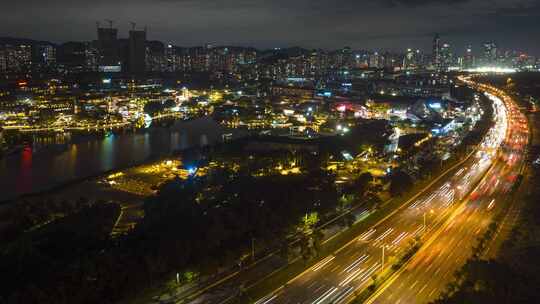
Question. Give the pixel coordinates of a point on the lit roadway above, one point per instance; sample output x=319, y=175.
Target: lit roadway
x=433, y=267
x=449, y=215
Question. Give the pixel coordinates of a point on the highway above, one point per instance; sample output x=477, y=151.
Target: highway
x=433, y=267
x=445, y=215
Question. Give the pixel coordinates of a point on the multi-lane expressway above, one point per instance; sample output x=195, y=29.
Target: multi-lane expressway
x=449, y=216
x=431, y=269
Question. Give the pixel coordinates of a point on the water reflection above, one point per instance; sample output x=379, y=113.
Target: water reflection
x=60, y=158
x=24, y=179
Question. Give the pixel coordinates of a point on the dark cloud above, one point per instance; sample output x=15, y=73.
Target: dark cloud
x=374, y=24
x=520, y=11
x=415, y=3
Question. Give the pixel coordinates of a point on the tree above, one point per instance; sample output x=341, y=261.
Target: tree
x=400, y=182
x=308, y=222
x=317, y=237
x=153, y=107
x=428, y=166
x=305, y=249
x=363, y=182
x=284, y=249
x=345, y=201
x=349, y=219
x=373, y=284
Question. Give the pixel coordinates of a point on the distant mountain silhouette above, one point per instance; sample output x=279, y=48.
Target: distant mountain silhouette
x=15, y=41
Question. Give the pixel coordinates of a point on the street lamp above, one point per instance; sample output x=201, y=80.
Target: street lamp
x=431, y=212
x=382, y=260
x=253, y=249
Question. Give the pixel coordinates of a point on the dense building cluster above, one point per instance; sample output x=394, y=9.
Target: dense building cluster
x=488, y=55
x=138, y=55
x=22, y=57
x=114, y=82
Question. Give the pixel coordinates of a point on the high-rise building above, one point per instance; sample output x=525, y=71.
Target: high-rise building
x=15, y=58
x=468, y=58
x=24, y=56
x=346, y=58
x=171, y=64
x=107, y=45
x=490, y=53
x=3, y=60
x=361, y=60
x=91, y=57
x=446, y=57
x=71, y=57
x=419, y=59
x=49, y=55
x=392, y=60
x=436, y=51
x=412, y=59
x=375, y=60
x=137, y=51
x=44, y=55
x=155, y=56
x=202, y=58
x=317, y=62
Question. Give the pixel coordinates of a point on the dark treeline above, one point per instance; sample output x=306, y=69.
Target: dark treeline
x=197, y=226
x=23, y=215
x=49, y=264
x=212, y=227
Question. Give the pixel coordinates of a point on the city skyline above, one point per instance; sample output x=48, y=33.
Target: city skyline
x=317, y=24
x=269, y=152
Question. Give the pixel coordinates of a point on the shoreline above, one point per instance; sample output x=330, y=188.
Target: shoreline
x=154, y=157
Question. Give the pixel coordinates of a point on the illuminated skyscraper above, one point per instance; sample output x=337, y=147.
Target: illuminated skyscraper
x=413, y=59
x=408, y=60
x=446, y=57
x=170, y=58
x=91, y=57
x=44, y=55
x=468, y=58
x=490, y=53
x=15, y=58
x=375, y=60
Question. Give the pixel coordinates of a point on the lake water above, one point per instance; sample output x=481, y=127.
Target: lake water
x=55, y=160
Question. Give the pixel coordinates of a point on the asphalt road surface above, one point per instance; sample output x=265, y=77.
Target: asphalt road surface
x=433, y=267
x=453, y=220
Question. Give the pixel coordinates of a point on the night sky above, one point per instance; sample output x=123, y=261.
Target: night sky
x=369, y=24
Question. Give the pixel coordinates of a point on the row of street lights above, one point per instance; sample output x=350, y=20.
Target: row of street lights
x=424, y=214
